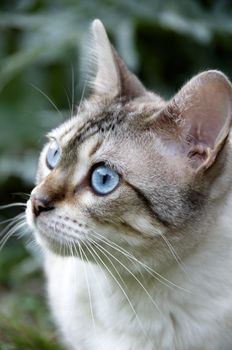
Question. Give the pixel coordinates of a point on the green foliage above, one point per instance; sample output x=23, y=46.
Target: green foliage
x=164, y=42
x=18, y=330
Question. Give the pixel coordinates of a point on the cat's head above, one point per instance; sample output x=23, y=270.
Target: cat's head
x=130, y=168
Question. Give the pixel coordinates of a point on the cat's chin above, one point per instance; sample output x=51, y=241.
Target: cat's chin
x=62, y=247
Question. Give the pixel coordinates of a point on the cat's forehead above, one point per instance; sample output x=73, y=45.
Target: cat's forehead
x=95, y=118
x=85, y=113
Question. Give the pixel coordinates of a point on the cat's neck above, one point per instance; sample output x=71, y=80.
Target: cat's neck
x=131, y=304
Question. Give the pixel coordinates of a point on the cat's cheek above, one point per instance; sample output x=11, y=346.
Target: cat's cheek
x=143, y=223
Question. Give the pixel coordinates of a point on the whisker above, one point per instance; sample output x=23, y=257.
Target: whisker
x=8, y=220
x=73, y=90
x=93, y=254
x=74, y=257
x=66, y=246
x=133, y=275
x=174, y=254
x=6, y=206
x=49, y=99
x=88, y=287
x=97, y=263
x=121, y=288
x=70, y=244
x=6, y=238
x=114, y=267
x=22, y=194
x=10, y=233
x=69, y=103
x=33, y=245
x=12, y=222
x=82, y=96
x=131, y=257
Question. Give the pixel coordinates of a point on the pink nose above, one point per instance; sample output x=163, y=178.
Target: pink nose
x=40, y=204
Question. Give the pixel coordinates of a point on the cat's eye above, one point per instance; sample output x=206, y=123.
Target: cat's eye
x=104, y=180
x=53, y=155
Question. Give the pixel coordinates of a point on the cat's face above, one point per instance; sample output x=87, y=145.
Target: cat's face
x=130, y=168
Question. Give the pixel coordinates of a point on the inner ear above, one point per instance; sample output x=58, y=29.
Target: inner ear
x=111, y=77
x=198, y=118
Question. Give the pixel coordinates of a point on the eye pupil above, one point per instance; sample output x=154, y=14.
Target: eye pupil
x=104, y=180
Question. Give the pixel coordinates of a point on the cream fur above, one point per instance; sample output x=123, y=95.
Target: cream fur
x=200, y=319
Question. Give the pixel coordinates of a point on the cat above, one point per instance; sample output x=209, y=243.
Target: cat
x=132, y=209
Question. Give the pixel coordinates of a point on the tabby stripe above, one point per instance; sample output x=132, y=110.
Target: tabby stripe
x=92, y=127
x=149, y=205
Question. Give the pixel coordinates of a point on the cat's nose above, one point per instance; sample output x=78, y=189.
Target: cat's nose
x=40, y=204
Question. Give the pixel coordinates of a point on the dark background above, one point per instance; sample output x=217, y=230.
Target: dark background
x=164, y=42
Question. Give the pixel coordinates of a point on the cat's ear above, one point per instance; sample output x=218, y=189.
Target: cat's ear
x=111, y=76
x=198, y=118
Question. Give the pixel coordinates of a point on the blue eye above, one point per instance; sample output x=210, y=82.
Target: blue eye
x=104, y=180
x=53, y=155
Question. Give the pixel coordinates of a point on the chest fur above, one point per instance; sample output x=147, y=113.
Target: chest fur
x=94, y=312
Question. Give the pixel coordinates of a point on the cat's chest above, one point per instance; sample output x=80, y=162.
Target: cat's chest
x=94, y=314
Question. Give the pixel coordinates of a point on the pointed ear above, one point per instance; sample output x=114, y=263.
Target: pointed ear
x=111, y=77
x=198, y=118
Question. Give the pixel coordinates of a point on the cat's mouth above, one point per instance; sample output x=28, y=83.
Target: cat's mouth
x=59, y=233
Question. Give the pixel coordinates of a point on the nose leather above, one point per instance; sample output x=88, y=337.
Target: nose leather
x=41, y=204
